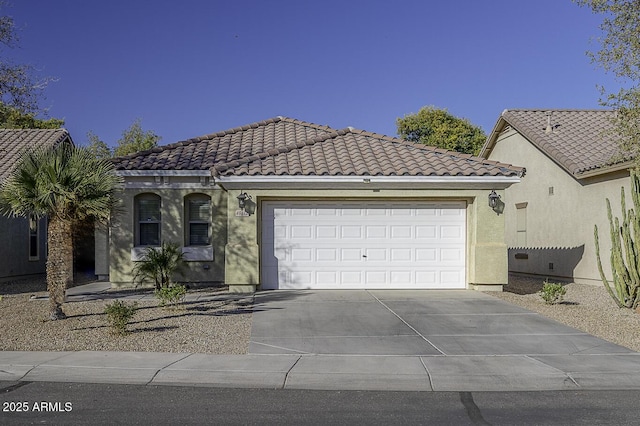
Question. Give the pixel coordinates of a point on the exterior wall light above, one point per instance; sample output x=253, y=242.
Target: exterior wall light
x=493, y=199
x=243, y=198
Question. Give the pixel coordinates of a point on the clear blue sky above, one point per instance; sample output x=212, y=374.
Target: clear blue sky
x=192, y=67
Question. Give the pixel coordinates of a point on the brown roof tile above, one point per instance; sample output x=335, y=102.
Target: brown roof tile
x=358, y=153
x=13, y=142
x=579, y=140
x=204, y=152
x=285, y=147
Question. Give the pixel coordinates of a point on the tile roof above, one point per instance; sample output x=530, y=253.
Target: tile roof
x=284, y=147
x=580, y=141
x=13, y=142
x=203, y=152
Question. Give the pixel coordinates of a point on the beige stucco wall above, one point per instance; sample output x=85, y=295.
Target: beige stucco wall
x=486, y=250
x=122, y=232
x=559, y=226
x=237, y=239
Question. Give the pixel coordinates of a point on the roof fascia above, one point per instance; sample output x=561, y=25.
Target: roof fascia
x=493, y=138
x=163, y=173
x=605, y=170
x=367, y=182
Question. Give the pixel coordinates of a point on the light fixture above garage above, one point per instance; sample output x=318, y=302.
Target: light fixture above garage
x=243, y=198
x=493, y=199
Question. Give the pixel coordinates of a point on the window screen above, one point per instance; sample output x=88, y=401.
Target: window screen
x=199, y=216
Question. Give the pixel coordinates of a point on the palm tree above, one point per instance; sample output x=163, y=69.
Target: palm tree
x=67, y=185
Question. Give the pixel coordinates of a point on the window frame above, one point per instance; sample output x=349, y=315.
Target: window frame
x=188, y=200
x=33, y=232
x=138, y=221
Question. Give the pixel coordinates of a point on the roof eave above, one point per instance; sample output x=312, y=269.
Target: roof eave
x=368, y=182
x=146, y=173
x=605, y=170
x=493, y=137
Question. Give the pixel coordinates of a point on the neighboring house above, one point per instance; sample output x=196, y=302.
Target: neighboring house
x=572, y=163
x=288, y=204
x=23, y=250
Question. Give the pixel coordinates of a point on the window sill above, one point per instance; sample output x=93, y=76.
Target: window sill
x=190, y=253
x=198, y=253
x=137, y=253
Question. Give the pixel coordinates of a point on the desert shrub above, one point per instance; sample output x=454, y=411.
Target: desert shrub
x=171, y=295
x=159, y=264
x=119, y=314
x=552, y=293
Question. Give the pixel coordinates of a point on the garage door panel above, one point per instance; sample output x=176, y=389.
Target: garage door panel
x=363, y=245
x=351, y=278
x=326, y=231
x=327, y=254
x=376, y=231
x=351, y=255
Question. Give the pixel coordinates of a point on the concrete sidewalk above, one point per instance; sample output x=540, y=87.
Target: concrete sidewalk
x=329, y=372
x=362, y=340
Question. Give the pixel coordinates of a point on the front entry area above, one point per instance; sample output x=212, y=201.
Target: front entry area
x=363, y=245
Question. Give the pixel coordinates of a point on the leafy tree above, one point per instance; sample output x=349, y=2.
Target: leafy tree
x=68, y=185
x=98, y=147
x=12, y=118
x=19, y=88
x=620, y=54
x=135, y=139
x=437, y=127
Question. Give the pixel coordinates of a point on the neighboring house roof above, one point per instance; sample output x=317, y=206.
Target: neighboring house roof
x=13, y=143
x=284, y=147
x=583, y=142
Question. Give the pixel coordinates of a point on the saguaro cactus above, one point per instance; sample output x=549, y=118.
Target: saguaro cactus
x=625, y=245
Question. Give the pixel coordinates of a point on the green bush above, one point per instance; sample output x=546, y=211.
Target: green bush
x=552, y=293
x=119, y=314
x=159, y=264
x=171, y=295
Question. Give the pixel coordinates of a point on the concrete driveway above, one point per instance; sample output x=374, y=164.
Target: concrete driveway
x=409, y=322
x=429, y=340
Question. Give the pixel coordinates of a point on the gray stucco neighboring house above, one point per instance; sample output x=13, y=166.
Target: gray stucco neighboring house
x=23, y=249
x=573, y=163
x=287, y=204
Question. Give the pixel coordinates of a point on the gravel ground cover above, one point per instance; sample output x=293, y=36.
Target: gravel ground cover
x=588, y=308
x=218, y=326
x=223, y=326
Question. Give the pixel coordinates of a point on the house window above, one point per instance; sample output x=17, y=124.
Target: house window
x=198, y=215
x=148, y=220
x=34, y=234
x=521, y=224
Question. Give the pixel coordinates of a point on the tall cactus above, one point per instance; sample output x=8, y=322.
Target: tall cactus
x=625, y=247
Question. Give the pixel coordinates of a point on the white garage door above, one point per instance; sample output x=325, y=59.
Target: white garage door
x=348, y=245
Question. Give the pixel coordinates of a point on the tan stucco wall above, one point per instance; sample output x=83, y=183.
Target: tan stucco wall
x=122, y=233
x=236, y=239
x=486, y=250
x=559, y=227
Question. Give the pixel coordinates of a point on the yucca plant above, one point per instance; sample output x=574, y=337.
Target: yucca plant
x=159, y=264
x=67, y=185
x=625, y=248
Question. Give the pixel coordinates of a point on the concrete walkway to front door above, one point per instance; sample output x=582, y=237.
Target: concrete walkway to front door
x=449, y=337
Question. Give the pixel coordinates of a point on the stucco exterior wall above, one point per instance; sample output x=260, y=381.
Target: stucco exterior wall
x=236, y=239
x=486, y=250
x=14, y=250
x=172, y=229
x=560, y=214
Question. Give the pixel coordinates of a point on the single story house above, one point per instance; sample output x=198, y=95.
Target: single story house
x=573, y=164
x=287, y=204
x=23, y=250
